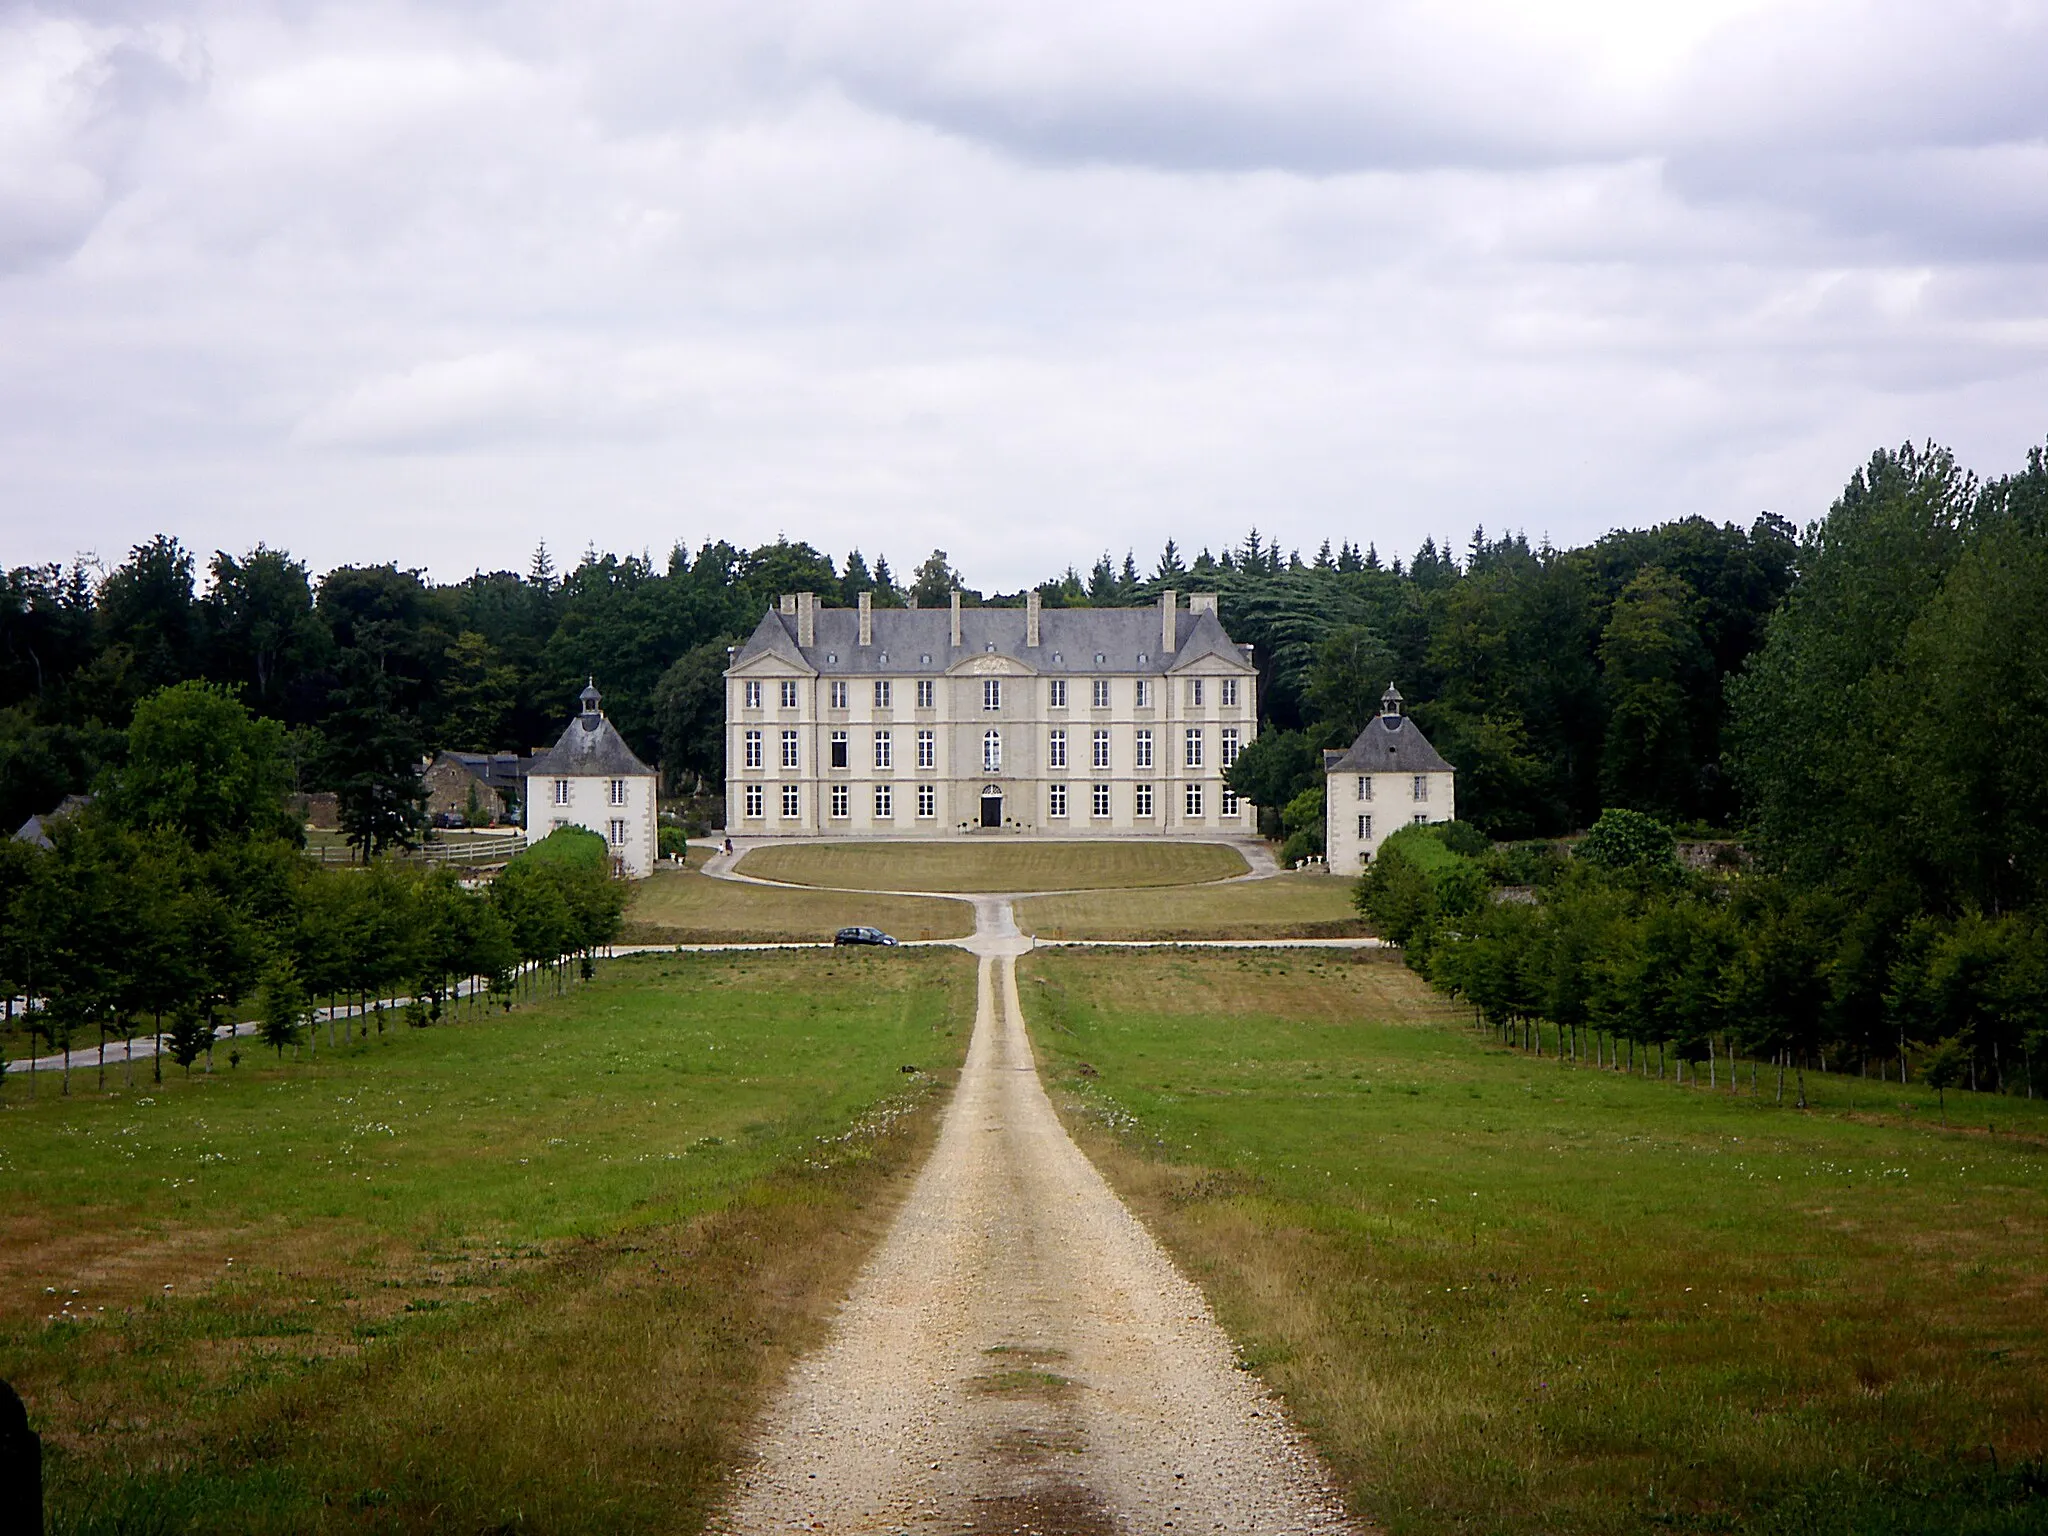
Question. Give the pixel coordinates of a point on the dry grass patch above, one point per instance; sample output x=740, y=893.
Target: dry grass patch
x=995, y=866
x=1292, y=906
x=684, y=907
x=1505, y=1295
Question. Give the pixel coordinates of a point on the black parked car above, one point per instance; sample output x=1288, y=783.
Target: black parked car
x=861, y=936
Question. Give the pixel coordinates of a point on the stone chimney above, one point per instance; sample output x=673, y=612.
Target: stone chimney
x=806, y=619
x=788, y=604
x=1201, y=602
x=1169, y=612
x=1031, y=619
x=867, y=618
x=956, y=618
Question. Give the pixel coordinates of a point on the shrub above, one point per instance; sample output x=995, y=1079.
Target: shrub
x=1629, y=842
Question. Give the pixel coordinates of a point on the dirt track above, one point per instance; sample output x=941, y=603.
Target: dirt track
x=1020, y=1355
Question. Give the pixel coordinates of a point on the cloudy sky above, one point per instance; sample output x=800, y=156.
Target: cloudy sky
x=432, y=283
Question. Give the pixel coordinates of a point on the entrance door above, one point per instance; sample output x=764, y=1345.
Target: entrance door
x=992, y=806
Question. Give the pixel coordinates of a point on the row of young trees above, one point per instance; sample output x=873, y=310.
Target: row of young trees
x=180, y=899
x=1614, y=953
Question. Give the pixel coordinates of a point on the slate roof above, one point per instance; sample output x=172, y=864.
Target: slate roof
x=1069, y=641
x=1388, y=744
x=590, y=748
x=499, y=770
x=37, y=828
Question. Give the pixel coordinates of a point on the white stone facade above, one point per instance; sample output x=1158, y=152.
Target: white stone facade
x=591, y=779
x=1066, y=722
x=1390, y=778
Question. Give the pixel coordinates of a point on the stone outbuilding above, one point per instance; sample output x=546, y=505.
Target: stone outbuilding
x=1389, y=778
x=456, y=787
x=591, y=778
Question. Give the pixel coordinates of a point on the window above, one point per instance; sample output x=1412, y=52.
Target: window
x=561, y=791
x=991, y=693
x=1192, y=757
x=789, y=749
x=1364, y=828
x=617, y=789
x=842, y=799
x=1144, y=694
x=1194, y=801
x=839, y=750
x=791, y=808
x=754, y=799
x=1056, y=800
x=1143, y=799
x=1195, y=692
x=1228, y=805
x=1057, y=693
x=927, y=749
x=1229, y=745
x=1099, y=757
x=1099, y=693
x=839, y=695
x=1056, y=750
x=1229, y=686
x=885, y=802
x=1101, y=799
x=753, y=749
x=992, y=752
x=618, y=833
x=1365, y=786
x=753, y=695
x=1421, y=818
x=927, y=801
x=884, y=694
x=1422, y=786
x=1145, y=749
x=885, y=749
x=789, y=693
x=926, y=691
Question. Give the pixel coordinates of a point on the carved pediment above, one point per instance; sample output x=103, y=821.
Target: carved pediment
x=768, y=664
x=990, y=665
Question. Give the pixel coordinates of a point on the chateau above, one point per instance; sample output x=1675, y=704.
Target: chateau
x=1389, y=778
x=899, y=722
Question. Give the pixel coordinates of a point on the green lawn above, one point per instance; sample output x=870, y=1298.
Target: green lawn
x=1284, y=907
x=680, y=906
x=1508, y=1296
x=523, y=1272
x=994, y=866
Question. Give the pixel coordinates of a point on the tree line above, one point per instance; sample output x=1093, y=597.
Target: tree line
x=179, y=899
x=1887, y=743
x=1558, y=680
x=1612, y=953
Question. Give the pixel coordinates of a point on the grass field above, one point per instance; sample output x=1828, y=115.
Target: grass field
x=680, y=906
x=1284, y=907
x=1508, y=1296
x=532, y=1272
x=994, y=866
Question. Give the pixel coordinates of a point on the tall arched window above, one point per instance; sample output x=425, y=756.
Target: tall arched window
x=992, y=752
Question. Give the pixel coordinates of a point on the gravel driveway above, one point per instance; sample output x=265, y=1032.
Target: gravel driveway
x=1020, y=1355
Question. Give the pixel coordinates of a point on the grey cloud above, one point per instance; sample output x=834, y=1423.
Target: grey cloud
x=386, y=281
x=78, y=99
